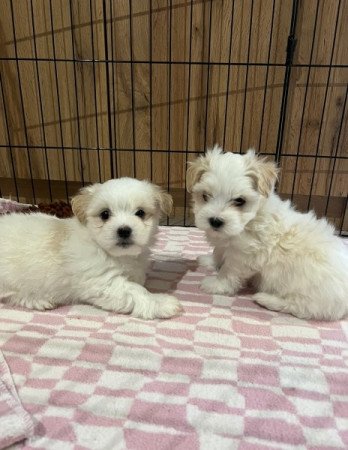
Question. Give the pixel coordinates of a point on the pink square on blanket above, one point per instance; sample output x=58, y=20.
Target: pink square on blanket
x=166, y=415
x=56, y=428
x=247, y=328
x=141, y=440
x=341, y=409
x=187, y=366
x=98, y=353
x=83, y=375
x=167, y=388
x=19, y=365
x=338, y=383
x=41, y=383
x=260, y=343
x=67, y=398
x=24, y=345
x=258, y=374
x=258, y=399
x=274, y=430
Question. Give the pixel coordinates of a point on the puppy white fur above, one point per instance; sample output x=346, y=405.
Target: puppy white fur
x=98, y=257
x=294, y=260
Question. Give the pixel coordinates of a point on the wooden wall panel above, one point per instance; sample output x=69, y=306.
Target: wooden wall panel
x=94, y=89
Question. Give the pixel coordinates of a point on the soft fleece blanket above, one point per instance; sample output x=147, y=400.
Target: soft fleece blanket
x=15, y=422
x=227, y=374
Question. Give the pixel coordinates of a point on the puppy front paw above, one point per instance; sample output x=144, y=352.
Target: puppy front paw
x=214, y=285
x=206, y=261
x=40, y=305
x=157, y=306
x=167, y=306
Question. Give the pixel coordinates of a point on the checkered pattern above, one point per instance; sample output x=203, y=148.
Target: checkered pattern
x=15, y=422
x=7, y=206
x=226, y=374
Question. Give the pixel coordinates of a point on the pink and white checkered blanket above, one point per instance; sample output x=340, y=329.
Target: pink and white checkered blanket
x=226, y=374
x=8, y=206
x=15, y=422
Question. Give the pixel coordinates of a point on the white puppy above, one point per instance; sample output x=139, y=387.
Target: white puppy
x=294, y=260
x=98, y=257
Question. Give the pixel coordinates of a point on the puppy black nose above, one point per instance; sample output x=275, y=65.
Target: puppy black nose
x=124, y=232
x=216, y=222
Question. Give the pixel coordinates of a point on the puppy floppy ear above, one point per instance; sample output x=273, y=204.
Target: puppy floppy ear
x=164, y=201
x=200, y=165
x=195, y=171
x=80, y=202
x=264, y=173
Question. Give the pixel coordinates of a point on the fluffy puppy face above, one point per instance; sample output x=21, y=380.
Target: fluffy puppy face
x=228, y=190
x=122, y=215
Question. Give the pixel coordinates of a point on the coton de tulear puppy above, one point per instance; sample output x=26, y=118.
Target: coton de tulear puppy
x=98, y=257
x=294, y=260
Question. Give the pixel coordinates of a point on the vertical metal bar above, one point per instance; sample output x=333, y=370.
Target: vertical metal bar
x=95, y=91
x=336, y=151
x=266, y=78
x=169, y=98
x=132, y=85
x=345, y=209
x=113, y=71
x=208, y=77
x=286, y=84
x=40, y=100
x=76, y=92
x=22, y=101
x=324, y=106
x=58, y=103
x=106, y=51
x=9, y=138
x=150, y=75
x=188, y=108
x=228, y=75
x=305, y=100
x=246, y=77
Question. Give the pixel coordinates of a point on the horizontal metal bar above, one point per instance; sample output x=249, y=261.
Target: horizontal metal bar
x=164, y=151
x=165, y=62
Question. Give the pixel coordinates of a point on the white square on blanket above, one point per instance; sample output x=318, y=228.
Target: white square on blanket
x=220, y=369
x=295, y=332
x=47, y=372
x=322, y=437
x=224, y=393
x=61, y=349
x=75, y=386
x=307, y=378
x=135, y=358
x=34, y=395
x=211, y=422
x=312, y=408
x=210, y=441
x=113, y=407
x=113, y=379
x=99, y=437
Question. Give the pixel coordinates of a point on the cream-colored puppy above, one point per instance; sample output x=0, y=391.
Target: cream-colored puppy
x=98, y=257
x=295, y=261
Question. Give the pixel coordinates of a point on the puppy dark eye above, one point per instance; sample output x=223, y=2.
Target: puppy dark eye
x=140, y=213
x=239, y=201
x=205, y=197
x=104, y=215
